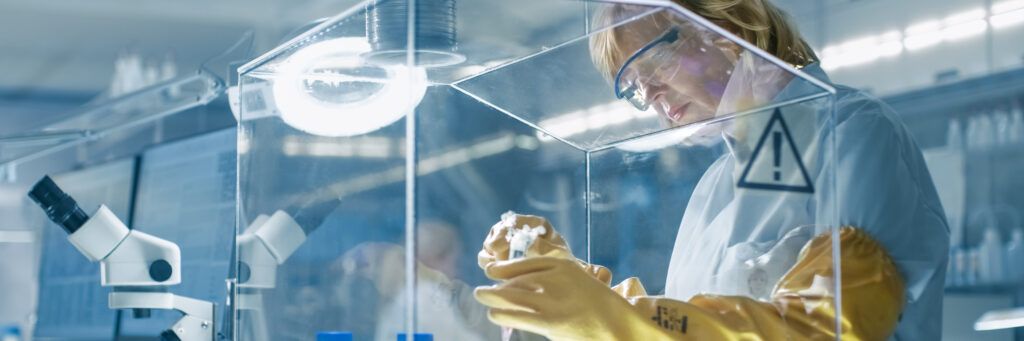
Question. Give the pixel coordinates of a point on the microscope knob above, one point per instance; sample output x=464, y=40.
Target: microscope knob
x=160, y=270
x=244, y=272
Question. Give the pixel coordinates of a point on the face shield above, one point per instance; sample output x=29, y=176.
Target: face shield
x=641, y=70
x=682, y=73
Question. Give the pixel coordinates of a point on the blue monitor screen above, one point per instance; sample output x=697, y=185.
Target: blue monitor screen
x=72, y=304
x=186, y=194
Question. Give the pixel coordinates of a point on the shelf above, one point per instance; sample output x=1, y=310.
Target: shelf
x=94, y=121
x=947, y=98
x=1000, y=288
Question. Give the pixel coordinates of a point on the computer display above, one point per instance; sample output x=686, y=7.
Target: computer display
x=186, y=194
x=72, y=304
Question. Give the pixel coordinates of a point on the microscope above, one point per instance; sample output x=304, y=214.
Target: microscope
x=139, y=266
x=270, y=240
x=267, y=242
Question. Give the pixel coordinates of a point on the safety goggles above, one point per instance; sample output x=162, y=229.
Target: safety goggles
x=631, y=83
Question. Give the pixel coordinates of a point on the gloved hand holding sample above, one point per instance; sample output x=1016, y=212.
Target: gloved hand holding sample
x=554, y=297
x=496, y=245
x=549, y=243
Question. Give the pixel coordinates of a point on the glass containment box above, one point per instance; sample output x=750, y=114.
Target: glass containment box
x=377, y=150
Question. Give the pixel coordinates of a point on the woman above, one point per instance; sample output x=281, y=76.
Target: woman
x=748, y=263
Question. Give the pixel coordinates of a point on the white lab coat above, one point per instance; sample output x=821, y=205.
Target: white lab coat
x=740, y=241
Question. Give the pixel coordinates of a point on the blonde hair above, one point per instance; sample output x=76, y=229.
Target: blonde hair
x=757, y=21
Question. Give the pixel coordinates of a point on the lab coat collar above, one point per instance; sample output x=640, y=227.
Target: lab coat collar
x=801, y=87
x=741, y=139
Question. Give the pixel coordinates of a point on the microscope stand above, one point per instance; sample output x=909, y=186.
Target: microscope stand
x=195, y=325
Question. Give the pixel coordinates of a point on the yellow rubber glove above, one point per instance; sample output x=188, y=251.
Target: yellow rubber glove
x=555, y=298
x=550, y=244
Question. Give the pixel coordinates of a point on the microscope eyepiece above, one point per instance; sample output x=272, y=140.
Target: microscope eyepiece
x=311, y=215
x=59, y=207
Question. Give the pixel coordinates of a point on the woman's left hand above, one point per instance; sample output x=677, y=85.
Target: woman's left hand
x=557, y=298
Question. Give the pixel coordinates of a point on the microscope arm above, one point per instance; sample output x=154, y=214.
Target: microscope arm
x=127, y=257
x=196, y=324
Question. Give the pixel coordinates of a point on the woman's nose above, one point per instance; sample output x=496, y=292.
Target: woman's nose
x=654, y=92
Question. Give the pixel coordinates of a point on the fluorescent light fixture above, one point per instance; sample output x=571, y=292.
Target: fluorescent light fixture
x=830, y=52
x=859, y=43
x=373, y=147
x=924, y=27
x=964, y=30
x=956, y=27
x=1000, y=319
x=373, y=150
x=591, y=119
x=827, y=65
x=859, y=51
x=661, y=140
x=890, y=48
x=637, y=114
x=565, y=125
x=965, y=16
x=1007, y=19
x=923, y=35
x=526, y=142
x=1007, y=6
x=890, y=44
x=604, y=116
x=965, y=24
x=918, y=42
x=484, y=148
x=862, y=50
x=389, y=96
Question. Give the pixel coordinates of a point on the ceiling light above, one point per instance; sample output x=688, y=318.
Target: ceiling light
x=1007, y=19
x=965, y=16
x=326, y=89
x=923, y=35
x=661, y=140
x=964, y=30
x=1007, y=6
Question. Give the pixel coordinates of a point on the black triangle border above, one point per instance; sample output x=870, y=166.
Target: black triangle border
x=809, y=188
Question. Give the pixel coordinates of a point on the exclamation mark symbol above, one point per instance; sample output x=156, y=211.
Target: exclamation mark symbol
x=777, y=143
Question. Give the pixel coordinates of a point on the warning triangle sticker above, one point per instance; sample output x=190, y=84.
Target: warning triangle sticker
x=776, y=164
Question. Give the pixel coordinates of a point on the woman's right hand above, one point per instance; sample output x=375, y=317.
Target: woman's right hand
x=551, y=244
x=496, y=246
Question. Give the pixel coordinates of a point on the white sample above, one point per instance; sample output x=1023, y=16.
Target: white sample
x=520, y=239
